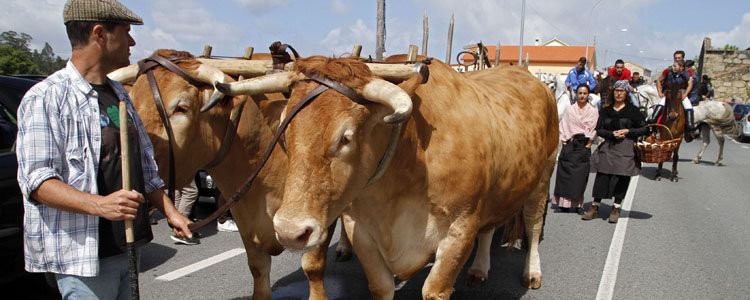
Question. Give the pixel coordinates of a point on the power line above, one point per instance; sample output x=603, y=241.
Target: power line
x=636, y=56
x=550, y=24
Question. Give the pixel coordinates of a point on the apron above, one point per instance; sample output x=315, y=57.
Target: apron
x=573, y=168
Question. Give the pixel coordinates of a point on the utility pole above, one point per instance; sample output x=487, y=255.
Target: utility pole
x=520, y=44
x=450, y=42
x=425, y=33
x=380, y=39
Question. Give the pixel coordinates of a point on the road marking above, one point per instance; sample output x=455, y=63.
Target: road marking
x=200, y=265
x=609, y=275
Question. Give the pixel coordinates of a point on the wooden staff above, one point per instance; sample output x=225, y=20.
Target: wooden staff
x=129, y=235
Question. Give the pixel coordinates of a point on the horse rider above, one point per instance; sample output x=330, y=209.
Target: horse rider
x=676, y=75
x=637, y=80
x=577, y=76
x=620, y=72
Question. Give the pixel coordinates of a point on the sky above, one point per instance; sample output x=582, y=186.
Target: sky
x=645, y=32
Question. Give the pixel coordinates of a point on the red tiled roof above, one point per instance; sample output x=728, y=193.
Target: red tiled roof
x=556, y=54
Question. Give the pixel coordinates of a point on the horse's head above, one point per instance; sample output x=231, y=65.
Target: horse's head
x=673, y=99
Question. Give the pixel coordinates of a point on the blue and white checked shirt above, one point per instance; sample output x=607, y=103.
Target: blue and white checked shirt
x=59, y=136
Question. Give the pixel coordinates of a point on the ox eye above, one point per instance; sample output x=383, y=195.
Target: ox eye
x=344, y=143
x=345, y=140
x=180, y=108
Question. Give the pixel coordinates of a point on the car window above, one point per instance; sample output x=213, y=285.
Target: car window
x=12, y=90
x=740, y=109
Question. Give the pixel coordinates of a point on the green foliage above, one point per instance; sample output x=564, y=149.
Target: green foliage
x=17, y=58
x=13, y=61
x=731, y=47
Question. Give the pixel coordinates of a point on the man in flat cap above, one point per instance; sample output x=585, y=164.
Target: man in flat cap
x=69, y=167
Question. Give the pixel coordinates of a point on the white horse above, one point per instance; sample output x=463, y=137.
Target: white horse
x=719, y=117
x=562, y=96
x=648, y=97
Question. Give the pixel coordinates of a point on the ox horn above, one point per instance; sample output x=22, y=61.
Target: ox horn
x=272, y=83
x=384, y=92
x=214, y=76
x=124, y=74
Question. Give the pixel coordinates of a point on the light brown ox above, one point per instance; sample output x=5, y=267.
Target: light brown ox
x=198, y=137
x=475, y=152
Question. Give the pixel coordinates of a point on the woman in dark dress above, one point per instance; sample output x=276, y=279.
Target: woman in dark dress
x=577, y=133
x=615, y=161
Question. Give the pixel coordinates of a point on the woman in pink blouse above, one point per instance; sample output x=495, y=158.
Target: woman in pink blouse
x=577, y=133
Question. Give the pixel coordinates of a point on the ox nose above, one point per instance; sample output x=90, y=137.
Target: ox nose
x=296, y=235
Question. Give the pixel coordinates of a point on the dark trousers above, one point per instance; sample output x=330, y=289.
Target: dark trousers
x=610, y=185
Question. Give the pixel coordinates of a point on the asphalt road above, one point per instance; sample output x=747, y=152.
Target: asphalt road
x=684, y=240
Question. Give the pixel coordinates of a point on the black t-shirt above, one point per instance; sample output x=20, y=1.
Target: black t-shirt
x=109, y=174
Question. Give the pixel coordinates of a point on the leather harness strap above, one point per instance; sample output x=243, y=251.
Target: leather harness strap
x=343, y=89
x=164, y=119
x=146, y=66
x=226, y=143
x=279, y=55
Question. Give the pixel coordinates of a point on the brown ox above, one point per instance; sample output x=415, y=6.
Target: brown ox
x=198, y=137
x=475, y=152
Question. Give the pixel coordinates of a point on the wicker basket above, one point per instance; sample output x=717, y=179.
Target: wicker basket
x=659, y=151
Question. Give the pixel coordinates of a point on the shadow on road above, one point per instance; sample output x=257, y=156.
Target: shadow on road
x=347, y=280
x=157, y=255
x=605, y=209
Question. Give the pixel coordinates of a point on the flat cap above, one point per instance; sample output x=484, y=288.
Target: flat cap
x=99, y=11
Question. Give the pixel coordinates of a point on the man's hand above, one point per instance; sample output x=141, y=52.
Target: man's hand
x=120, y=205
x=180, y=226
x=179, y=222
x=567, y=85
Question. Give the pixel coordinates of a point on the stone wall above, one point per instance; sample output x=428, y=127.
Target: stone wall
x=729, y=72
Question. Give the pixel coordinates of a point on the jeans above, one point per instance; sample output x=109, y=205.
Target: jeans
x=112, y=282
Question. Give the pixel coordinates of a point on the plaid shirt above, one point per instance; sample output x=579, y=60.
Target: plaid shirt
x=59, y=136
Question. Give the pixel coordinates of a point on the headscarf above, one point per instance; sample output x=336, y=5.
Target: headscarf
x=623, y=84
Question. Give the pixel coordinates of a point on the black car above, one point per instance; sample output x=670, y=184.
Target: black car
x=12, y=89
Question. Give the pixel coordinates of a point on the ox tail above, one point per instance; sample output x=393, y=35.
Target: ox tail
x=514, y=230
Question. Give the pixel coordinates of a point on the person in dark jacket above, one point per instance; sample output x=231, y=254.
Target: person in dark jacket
x=615, y=160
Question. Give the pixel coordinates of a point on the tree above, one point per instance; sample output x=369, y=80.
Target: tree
x=17, y=58
x=731, y=47
x=46, y=60
x=14, y=61
x=16, y=41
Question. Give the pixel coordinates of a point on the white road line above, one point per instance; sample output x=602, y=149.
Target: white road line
x=200, y=265
x=609, y=275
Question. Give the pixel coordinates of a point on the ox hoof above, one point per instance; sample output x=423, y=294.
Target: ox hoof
x=658, y=178
x=532, y=281
x=695, y=161
x=718, y=164
x=342, y=256
x=475, y=280
x=675, y=179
